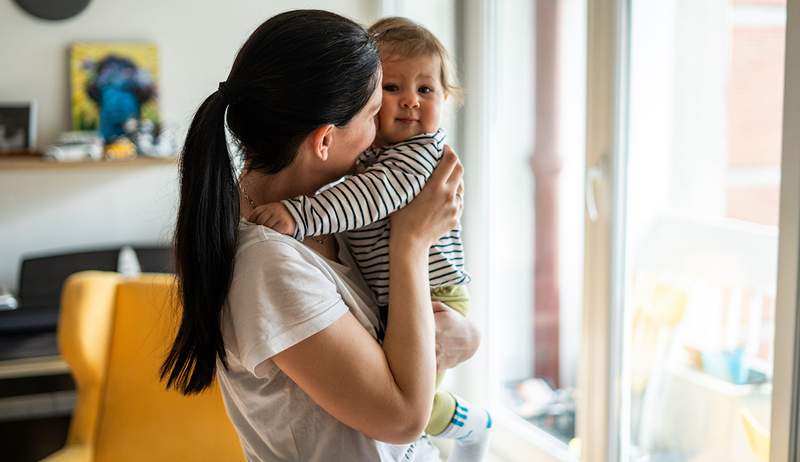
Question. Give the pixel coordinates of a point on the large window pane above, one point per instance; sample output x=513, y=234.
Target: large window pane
x=703, y=139
x=537, y=216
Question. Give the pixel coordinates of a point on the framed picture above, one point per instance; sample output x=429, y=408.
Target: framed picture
x=113, y=84
x=17, y=126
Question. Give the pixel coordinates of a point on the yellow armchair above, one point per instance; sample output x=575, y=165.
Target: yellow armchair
x=114, y=332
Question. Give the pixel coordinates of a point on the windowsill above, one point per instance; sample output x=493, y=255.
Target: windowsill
x=514, y=439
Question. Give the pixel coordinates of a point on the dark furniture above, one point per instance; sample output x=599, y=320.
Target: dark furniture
x=30, y=330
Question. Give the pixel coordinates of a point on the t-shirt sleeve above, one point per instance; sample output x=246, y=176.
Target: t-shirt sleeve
x=278, y=299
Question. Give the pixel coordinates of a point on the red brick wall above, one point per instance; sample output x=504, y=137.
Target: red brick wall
x=755, y=116
x=756, y=96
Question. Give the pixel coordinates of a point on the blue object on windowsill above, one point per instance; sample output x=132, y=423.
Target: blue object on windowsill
x=726, y=365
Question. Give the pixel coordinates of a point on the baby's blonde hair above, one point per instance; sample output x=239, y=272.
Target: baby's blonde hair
x=397, y=36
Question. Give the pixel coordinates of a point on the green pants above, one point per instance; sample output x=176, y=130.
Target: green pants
x=444, y=404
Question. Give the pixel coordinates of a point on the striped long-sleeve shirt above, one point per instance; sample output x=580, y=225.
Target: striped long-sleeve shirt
x=388, y=178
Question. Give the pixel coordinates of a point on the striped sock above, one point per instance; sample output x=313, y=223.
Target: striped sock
x=469, y=427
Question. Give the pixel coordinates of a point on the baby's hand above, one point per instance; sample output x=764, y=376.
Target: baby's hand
x=274, y=215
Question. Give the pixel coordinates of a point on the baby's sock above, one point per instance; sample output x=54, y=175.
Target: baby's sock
x=469, y=427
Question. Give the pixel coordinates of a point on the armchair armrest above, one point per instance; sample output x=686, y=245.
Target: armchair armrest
x=71, y=453
x=84, y=329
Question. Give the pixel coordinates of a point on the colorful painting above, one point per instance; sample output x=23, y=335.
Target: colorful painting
x=113, y=84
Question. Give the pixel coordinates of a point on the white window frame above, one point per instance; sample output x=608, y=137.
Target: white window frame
x=600, y=400
x=785, y=385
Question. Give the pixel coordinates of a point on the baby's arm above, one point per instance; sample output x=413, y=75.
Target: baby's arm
x=388, y=184
x=274, y=215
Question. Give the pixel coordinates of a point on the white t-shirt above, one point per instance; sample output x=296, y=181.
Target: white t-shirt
x=282, y=292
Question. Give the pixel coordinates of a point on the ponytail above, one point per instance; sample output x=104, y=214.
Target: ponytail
x=205, y=244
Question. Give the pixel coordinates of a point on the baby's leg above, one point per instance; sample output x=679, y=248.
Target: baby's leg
x=444, y=405
x=454, y=417
x=456, y=297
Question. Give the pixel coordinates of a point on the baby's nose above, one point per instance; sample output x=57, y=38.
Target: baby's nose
x=410, y=101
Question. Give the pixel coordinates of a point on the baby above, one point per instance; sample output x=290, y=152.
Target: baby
x=417, y=78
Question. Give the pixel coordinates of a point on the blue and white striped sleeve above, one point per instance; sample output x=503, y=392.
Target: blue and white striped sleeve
x=388, y=184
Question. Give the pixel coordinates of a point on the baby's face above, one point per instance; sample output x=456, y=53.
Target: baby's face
x=412, y=98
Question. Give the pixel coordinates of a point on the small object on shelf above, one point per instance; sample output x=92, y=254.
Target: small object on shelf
x=75, y=146
x=151, y=139
x=121, y=148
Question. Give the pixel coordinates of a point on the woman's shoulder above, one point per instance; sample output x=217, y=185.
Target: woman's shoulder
x=267, y=258
x=259, y=244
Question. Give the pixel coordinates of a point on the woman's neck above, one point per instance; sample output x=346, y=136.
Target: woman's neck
x=289, y=182
x=263, y=189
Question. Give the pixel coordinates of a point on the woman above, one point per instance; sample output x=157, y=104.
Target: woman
x=288, y=327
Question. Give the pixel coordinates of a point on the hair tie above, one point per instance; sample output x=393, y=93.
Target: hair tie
x=231, y=93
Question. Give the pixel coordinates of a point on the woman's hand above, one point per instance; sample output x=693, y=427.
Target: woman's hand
x=457, y=338
x=436, y=209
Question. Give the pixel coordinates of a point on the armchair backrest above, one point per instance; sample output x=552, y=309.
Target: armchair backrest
x=114, y=333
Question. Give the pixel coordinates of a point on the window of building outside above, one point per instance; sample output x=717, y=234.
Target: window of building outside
x=704, y=150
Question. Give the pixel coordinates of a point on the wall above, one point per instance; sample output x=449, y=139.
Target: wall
x=66, y=208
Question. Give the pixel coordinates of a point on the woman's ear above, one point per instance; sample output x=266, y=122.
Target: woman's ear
x=321, y=140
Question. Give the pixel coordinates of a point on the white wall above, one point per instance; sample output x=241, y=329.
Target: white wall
x=46, y=209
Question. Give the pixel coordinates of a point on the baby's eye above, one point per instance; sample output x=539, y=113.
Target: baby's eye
x=390, y=87
x=425, y=90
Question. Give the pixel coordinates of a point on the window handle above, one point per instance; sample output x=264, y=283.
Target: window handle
x=595, y=174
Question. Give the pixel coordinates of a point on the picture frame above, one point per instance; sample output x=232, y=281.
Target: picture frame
x=111, y=83
x=17, y=126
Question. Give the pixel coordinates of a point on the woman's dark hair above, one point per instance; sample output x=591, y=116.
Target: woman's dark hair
x=298, y=71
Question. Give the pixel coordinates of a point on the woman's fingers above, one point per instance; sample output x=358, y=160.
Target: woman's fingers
x=435, y=210
x=456, y=173
x=444, y=170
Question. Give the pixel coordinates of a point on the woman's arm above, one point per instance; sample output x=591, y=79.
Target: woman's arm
x=385, y=391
